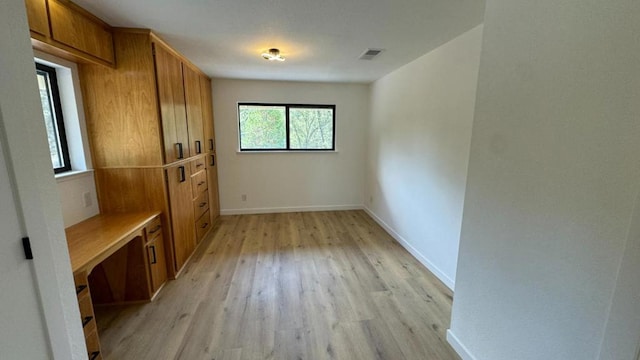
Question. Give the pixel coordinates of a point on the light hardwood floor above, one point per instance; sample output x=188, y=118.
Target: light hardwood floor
x=316, y=285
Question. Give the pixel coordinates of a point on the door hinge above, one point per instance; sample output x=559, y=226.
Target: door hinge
x=26, y=244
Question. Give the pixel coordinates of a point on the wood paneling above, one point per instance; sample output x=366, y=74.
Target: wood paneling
x=73, y=27
x=38, y=17
x=199, y=183
x=193, y=101
x=157, y=264
x=316, y=285
x=207, y=113
x=137, y=189
x=214, y=198
x=172, y=104
x=181, y=209
x=121, y=106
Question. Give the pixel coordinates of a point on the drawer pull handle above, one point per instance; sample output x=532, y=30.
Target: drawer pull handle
x=94, y=355
x=86, y=321
x=155, y=229
x=201, y=183
x=80, y=288
x=183, y=176
x=153, y=251
x=180, y=151
x=210, y=144
x=202, y=204
x=213, y=160
x=199, y=165
x=204, y=225
x=198, y=147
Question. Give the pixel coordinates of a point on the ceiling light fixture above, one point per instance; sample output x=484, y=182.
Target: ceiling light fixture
x=273, y=55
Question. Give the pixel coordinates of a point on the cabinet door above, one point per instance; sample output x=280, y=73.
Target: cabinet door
x=181, y=209
x=194, y=110
x=207, y=113
x=172, y=106
x=157, y=263
x=74, y=27
x=37, y=16
x=214, y=199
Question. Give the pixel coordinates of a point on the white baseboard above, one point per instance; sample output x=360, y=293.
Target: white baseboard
x=455, y=343
x=273, y=210
x=423, y=260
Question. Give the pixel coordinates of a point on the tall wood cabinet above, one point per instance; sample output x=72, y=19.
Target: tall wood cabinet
x=149, y=119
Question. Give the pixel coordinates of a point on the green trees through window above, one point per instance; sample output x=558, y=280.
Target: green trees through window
x=286, y=127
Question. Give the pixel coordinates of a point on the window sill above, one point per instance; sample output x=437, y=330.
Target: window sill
x=72, y=175
x=287, y=152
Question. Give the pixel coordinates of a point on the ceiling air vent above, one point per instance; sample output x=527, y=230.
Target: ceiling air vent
x=370, y=54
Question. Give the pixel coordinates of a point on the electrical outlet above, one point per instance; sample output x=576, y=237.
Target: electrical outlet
x=244, y=197
x=86, y=199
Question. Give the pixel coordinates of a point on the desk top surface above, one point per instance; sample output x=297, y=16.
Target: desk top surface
x=94, y=239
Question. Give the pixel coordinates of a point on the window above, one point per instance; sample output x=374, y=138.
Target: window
x=265, y=127
x=52, y=111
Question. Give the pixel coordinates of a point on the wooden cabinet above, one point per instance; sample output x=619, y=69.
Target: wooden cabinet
x=87, y=316
x=181, y=209
x=171, y=96
x=149, y=126
x=209, y=134
x=194, y=110
x=38, y=18
x=157, y=263
x=65, y=29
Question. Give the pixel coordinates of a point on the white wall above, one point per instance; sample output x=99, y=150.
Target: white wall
x=419, y=136
x=553, y=176
x=291, y=181
x=37, y=201
x=73, y=185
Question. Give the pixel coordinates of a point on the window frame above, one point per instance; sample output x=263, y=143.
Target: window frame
x=287, y=107
x=56, y=104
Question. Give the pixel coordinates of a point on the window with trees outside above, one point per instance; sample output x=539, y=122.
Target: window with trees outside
x=52, y=111
x=286, y=127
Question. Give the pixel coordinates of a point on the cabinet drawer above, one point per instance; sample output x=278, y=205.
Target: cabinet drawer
x=201, y=204
x=202, y=225
x=93, y=346
x=153, y=228
x=199, y=183
x=198, y=164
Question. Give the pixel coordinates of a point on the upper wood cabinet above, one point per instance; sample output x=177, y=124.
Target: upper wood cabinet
x=194, y=110
x=207, y=113
x=38, y=18
x=171, y=96
x=65, y=29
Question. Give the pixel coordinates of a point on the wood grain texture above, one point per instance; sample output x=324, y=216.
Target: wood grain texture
x=193, y=103
x=137, y=189
x=172, y=104
x=214, y=196
x=207, y=113
x=38, y=17
x=93, y=240
x=73, y=27
x=181, y=210
x=325, y=285
x=157, y=263
x=121, y=106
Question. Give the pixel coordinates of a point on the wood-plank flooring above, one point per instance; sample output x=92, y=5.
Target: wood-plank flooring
x=313, y=285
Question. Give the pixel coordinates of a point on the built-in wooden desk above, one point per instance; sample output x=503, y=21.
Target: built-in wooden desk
x=95, y=239
x=115, y=258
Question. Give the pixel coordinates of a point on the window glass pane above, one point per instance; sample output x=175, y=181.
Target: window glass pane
x=262, y=127
x=50, y=120
x=311, y=128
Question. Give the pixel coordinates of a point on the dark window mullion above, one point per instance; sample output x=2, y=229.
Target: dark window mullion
x=286, y=116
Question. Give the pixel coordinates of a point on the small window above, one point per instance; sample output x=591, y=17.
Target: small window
x=52, y=111
x=286, y=127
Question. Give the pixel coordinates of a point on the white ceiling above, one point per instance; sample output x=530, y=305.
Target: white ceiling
x=321, y=39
